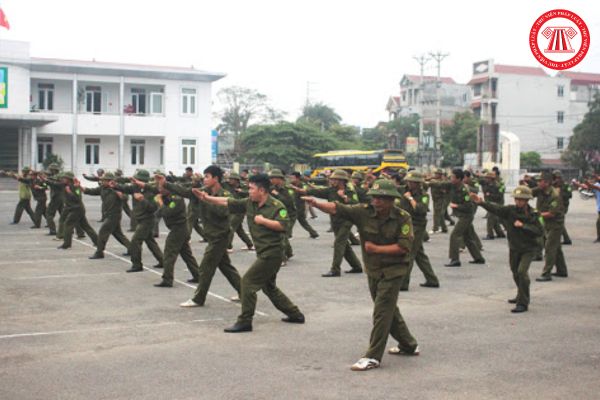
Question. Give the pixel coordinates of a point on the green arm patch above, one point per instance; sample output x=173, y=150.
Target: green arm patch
x=283, y=213
x=405, y=229
x=172, y=204
x=355, y=197
x=467, y=198
x=541, y=219
x=78, y=192
x=424, y=199
x=554, y=203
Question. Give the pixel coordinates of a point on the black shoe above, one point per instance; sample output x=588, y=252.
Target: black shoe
x=501, y=236
x=488, y=238
x=512, y=301
x=63, y=247
x=539, y=258
x=519, y=309
x=404, y=289
x=156, y=236
x=330, y=274
x=14, y=223
x=164, y=284
x=354, y=271
x=452, y=223
x=544, y=279
x=157, y=266
x=567, y=243
x=298, y=319
x=239, y=327
x=314, y=236
x=51, y=233
x=192, y=280
x=453, y=263
x=127, y=254
x=80, y=236
x=133, y=269
x=130, y=230
x=431, y=285
x=596, y=241
x=96, y=256
x=481, y=261
x=559, y=275
x=445, y=231
x=38, y=227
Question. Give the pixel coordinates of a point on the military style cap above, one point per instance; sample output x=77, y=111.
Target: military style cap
x=53, y=166
x=491, y=175
x=402, y=171
x=546, y=176
x=68, y=175
x=485, y=171
x=556, y=173
x=159, y=172
x=522, y=192
x=384, y=187
x=414, y=176
x=234, y=175
x=339, y=174
x=358, y=175
x=142, y=175
x=439, y=171
x=26, y=169
x=118, y=172
x=109, y=176
x=276, y=173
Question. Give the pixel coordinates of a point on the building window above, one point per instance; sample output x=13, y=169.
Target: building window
x=92, y=151
x=477, y=90
x=138, y=101
x=188, y=151
x=156, y=103
x=560, y=117
x=162, y=151
x=560, y=91
x=137, y=151
x=46, y=96
x=560, y=143
x=93, y=99
x=188, y=101
x=44, y=148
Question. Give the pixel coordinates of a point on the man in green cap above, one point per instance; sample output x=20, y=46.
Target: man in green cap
x=285, y=194
x=386, y=236
x=415, y=201
x=338, y=191
x=551, y=208
x=296, y=181
x=144, y=210
x=57, y=194
x=234, y=186
x=75, y=211
x=267, y=218
x=112, y=210
x=566, y=193
x=24, y=203
x=524, y=227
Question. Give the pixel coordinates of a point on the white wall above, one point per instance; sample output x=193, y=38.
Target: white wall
x=17, y=90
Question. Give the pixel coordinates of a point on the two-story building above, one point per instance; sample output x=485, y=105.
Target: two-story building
x=97, y=114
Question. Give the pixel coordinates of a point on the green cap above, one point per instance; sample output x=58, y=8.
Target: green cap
x=439, y=171
x=68, y=175
x=414, y=176
x=54, y=166
x=26, y=169
x=384, y=187
x=358, y=175
x=276, y=173
x=142, y=175
x=108, y=176
x=118, y=172
x=556, y=173
x=158, y=172
x=546, y=176
x=522, y=192
x=339, y=174
x=402, y=171
x=234, y=175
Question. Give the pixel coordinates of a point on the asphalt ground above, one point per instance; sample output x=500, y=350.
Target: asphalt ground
x=74, y=328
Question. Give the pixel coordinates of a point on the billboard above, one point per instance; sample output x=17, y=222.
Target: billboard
x=3, y=87
x=412, y=144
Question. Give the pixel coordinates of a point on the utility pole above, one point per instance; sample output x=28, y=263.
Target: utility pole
x=422, y=60
x=438, y=57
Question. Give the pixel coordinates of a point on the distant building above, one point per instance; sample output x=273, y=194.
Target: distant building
x=97, y=114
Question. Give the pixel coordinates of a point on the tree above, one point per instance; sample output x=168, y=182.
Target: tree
x=347, y=137
x=52, y=158
x=459, y=138
x=284, y=143
x=242, y=107
x=584, y=147
x=403, y=127
x=320, y=115
x=531, y=159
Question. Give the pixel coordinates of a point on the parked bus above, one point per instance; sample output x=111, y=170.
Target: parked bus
x=359, y=160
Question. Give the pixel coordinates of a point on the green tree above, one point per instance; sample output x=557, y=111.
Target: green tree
x=284, y=143
x=320, y=115
x=53, y=158
x=584, y=146
x=459, y=138
x=347, y=137
x=531, y=159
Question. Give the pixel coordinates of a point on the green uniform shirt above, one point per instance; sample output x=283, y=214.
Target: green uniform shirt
x=459, y=195
x=112, y=205
x=57, y=190
x=330, y=194
x=215, y=219
x=395, y=228
x=73, y=200
x=24, y=188
x=266, y=241
x=286, y=196
x=522, y=239
x=492, y=192
x=173, y=210
x=549, y=200
x=38, y=188
x=418, y=214
x=144, y=209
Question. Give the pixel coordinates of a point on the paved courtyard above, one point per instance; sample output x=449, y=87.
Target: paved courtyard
x=74, y=328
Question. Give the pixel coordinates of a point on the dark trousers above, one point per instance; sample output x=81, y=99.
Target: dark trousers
x=215, y=256
x=387, y=319
x=417, y=254
x=23, y=205
x=493, y=226
x=342, y=249
x=53, y=207
x=438, y=215
x=40, y=211
x=463, y=231
x=144, y=232
x=111, y=226
x=237, y=227
x=177, y=244
x=262, y=275
x=519, y=265
x=60, y=234
x=304, y=223
x=553, y=250
x=77, y=218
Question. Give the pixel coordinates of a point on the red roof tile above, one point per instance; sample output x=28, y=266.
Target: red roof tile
x=517, y=70
x=581, y=78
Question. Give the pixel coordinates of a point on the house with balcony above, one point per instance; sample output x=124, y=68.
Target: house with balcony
x=102, y=115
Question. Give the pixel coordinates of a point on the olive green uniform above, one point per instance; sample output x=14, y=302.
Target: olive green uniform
x=566, y=193
x=38, y=189
x=262, y=274
x=286, y=196
x=24, y=203
x=236, y=221
x=384, y=272
x=341, y=229
x=57, y=198
x=216, y=231
x=549, y=200
x=438, y=195
x=493, y=193
x=112, y=210
x=417, y=252
x=523, y=242
x=75, y=215
x=301, y=212
x=173, y=211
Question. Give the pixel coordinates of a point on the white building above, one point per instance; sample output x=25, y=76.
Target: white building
x=540, y=109
x=96, y=114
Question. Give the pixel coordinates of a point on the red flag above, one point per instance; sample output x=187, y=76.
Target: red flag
x=3, y=20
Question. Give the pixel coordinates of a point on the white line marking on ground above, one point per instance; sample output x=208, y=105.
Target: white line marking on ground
x=64, y=276
x=111, y=328
x=176, y=280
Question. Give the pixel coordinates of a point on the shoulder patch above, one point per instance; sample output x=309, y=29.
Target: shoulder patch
x=467, y=198
x=172, y=204
x=355, y=197
x=283, y=213
x=554, y=203
x=424, y=199
x=405, y=229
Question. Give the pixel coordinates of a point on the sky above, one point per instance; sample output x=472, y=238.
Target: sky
x=350, y=55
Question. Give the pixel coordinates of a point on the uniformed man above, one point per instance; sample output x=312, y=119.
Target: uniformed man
x=296, y=181
x=38, y=190
x=234, y=186
x=120, y=179
x=550, y=206
x=112, y=210
x=566, y=193
x=24, y=203
x=267, y=218
x=493, y=194
x=415, y=201
x=217, y=228
x=338, y=191
x=524, y=227
x=386, y=236
x=74, y=211
x=173, y=211
x=144, y=210
x=438, y=195
x=285, y=194
x=56, y=197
